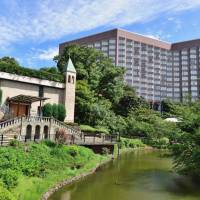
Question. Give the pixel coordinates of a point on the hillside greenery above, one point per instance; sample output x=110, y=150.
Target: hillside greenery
x=10, y=65
x=28, y=170
x=186, y=141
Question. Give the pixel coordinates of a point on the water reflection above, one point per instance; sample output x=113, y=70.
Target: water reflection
x=140, y=175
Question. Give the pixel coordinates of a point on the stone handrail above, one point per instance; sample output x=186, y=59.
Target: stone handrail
x=10, y=122
x=63, y=125
x=8, y=129
x=32, y=119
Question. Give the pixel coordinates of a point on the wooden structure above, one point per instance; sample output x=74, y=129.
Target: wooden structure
x=20, y=105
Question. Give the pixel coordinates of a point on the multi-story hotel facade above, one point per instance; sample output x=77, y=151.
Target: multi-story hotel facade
x=156, y=69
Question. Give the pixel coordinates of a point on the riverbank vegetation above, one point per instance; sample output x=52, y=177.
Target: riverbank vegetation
x=186, y=141
x=102, y=99
x=104, y=103
x=29, y=170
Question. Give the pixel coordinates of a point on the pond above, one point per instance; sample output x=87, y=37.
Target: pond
x=137, y=175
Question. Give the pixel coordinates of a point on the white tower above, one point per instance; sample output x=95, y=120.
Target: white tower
x=70, y=87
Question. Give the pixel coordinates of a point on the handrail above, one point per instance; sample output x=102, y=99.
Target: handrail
x=10, y=122
x=62, y=123
x=78, y=136
x=31, y=118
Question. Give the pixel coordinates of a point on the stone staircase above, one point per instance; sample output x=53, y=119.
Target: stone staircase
x=16, y=128
x=26, y=128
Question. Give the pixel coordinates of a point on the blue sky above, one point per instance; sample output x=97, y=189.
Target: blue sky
x=30, y=30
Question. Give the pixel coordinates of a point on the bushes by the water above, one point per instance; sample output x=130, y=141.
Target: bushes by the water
x=5, y=194
x=131, y=143
x=161, y=143
x=39, y=160
x=90, y=129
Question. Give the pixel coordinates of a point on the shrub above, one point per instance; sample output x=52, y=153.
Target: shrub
x=47, y=110
x=41, y=74
x=87, y=129
x=164, y=141
x=5, y=194
x=9, y=177
x=49, y=143
x=131, y=143
x=161, y=143
x=72, y=151
x=61, y=112
x=62, y=136
x=55, y=111
x=15, y=143
x=38, y=160
x=105, y=151
x=100, y=129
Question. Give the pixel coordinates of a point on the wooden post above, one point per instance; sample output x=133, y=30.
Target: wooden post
x=29, y=109
x=118, y=146
x=40, y=110
x=50, y=124
x=1, y=139
x=18, y=109
x=21, y=127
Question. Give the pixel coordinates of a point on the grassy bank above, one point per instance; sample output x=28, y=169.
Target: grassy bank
x=28, y=171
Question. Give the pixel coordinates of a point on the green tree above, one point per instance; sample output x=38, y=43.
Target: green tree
x=129, y=101
x=9, y=60
x=55, y=113
x=52, y=70
x=92, y=66
x=47, y=110
x=61, y=112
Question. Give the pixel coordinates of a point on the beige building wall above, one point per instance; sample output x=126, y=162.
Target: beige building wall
x=55, y=95
x=14, y=88
x=64, y=93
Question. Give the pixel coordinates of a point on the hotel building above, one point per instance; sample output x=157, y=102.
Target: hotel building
x=156, y=69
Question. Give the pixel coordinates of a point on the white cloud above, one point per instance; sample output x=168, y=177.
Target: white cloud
x=48, y=54
x=51, y=19
x=156, y=37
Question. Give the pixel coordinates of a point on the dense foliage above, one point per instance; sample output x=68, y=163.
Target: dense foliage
x=104, y=100
x=100, y=89
x=57, y=111
x=89, y=129
x=5, y=194
x=39, y=160
x=186, y=147
x=10, y=65
x=131, y=143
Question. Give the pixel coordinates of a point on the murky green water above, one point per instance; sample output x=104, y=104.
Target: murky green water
x=140, y=175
